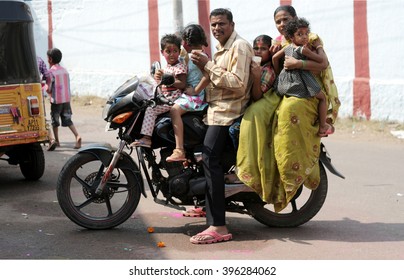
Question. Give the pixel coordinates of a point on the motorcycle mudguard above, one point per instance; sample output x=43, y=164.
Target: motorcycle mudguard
x=326, y=160
x=104, y=152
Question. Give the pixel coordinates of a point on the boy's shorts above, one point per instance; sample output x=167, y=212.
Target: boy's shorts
x=63, y=112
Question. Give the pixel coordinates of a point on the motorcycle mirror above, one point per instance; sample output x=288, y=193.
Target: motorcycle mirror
x=154, y=67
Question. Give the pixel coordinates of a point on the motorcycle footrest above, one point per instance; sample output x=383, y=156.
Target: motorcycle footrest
x=168, y=204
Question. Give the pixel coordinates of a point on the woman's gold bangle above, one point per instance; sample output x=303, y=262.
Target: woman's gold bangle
x=319, y=46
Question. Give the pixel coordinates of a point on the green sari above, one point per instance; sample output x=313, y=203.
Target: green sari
x=279, y=147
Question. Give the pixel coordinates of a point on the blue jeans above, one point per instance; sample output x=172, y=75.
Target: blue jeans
x=234, y=132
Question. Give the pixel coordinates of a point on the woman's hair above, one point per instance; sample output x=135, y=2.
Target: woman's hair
x=287, y=8
x=264, y=38
x=293, y=25
x=222, y=12
x=194, y=35
x=170, y=39
x=55, y=54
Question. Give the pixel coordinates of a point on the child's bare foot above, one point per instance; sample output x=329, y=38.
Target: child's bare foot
x=78, y=143
x=326, y=130
x=52, y=145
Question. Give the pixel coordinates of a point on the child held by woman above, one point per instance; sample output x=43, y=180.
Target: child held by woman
x=300, y=82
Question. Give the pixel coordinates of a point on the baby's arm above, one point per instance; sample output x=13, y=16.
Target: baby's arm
x=311, y=65
x=314, y=55
x=49, y=83
x=158, y=74
x=203, y=83
x=276, y=58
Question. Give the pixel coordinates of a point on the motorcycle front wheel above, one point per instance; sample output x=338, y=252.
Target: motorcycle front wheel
x=76, y=195
x=302, y=208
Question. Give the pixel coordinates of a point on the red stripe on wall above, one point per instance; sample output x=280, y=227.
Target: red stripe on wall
x=203, y=17
x=285, y=2
x=50, y=25
x=154, y=42
x=361, y=88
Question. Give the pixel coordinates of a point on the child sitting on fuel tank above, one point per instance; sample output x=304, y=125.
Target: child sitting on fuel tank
x=170, y=49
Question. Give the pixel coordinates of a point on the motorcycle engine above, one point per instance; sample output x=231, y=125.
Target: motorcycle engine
x=172, y=168
x=179, y=185
x=178, y=176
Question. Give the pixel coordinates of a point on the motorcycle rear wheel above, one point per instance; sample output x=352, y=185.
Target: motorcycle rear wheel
x=76, y=186
x=303, y=207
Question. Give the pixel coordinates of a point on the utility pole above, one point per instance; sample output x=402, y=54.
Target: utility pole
x=178, y=17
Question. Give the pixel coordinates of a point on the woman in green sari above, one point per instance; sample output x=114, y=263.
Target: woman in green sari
x=279, y=147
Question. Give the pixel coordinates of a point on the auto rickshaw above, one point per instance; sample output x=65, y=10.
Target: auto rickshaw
x=22, y=110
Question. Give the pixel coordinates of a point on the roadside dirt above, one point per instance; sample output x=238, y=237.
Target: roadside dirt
x=364, y=130
x=352, y=128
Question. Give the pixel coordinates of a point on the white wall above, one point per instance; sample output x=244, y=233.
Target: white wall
x=106, y=42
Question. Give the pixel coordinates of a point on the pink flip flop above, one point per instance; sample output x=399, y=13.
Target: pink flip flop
x=216, y=237
x=194, y=212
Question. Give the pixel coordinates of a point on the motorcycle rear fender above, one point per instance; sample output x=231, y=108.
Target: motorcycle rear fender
x=326, y=161
x=104, y=152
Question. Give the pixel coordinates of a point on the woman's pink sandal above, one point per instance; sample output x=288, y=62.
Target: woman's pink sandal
x=194, y=213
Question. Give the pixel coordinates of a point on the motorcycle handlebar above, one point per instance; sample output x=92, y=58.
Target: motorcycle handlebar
x=166, y=79
x=161, y=99
x=158, y=99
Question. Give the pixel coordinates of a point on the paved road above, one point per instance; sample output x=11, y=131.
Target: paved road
x=363, y=217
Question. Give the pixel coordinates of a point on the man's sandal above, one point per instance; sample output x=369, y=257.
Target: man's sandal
x=209, y=237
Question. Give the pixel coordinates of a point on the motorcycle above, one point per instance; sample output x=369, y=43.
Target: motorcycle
x=100, y=187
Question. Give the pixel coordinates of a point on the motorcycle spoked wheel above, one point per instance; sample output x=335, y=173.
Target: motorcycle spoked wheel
x=76, y=193
x=302, y=208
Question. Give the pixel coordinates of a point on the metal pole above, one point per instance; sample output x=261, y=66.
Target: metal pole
x=178, y=17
